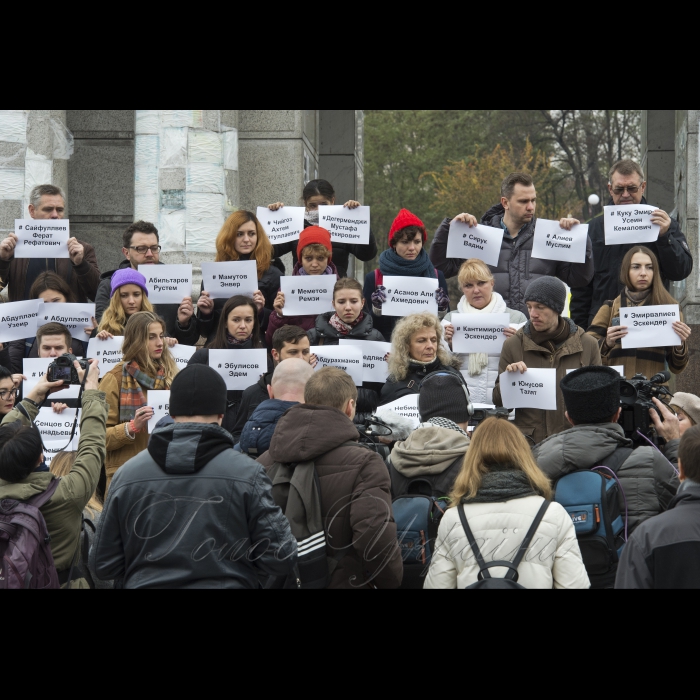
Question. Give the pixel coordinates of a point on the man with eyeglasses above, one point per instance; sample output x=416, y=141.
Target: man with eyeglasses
x=142, y=247
x=627, y=186
x=80, y=271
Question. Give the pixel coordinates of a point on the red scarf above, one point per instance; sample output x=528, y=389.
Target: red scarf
x=345, y=328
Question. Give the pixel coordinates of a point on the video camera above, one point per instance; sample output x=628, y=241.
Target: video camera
x=62, y=369
x=481, y=414
x=636, y=396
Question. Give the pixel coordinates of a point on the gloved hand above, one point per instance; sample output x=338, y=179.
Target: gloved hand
x=378, y=300
x=443, y=301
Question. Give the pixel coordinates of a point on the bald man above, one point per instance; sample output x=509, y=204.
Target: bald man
x=286, y=391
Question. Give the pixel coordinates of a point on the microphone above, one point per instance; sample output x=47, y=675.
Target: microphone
x=661, y=378
x=399, y=427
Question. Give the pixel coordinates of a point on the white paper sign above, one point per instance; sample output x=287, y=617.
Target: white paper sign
x=33, y=368
x=537, y=388
x=159, y=401
x=57, y=427
x=409, y=295
x=482, y=242
x=182, y=354
x=239, y=368
x=224, y=280
x=75, y=317
x=18, y=320
x=346, y=225
x=376, y=368
x=650, y=326
x=552, y=242
x=630, y=223
x=348, y=358
x=283, y=225
x=308, y=296
x=406, y=407
x=42, y=238
x=107, y=352
x=167, y=284
x=618, y=368
x=479, y=333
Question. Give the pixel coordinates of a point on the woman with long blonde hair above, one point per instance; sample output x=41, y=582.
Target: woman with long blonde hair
x=129, y=296
x=242, y=238
x=643, y=286
x=501, y=491
x=147, y=364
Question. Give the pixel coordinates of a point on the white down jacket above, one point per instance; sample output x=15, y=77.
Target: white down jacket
x=481, y=386
x=552, y=561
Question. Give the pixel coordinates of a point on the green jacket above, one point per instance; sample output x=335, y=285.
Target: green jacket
x=63, y=513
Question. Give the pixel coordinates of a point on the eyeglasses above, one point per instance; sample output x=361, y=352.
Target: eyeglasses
x=632, y=189
x=143, y=249
x=4, y=395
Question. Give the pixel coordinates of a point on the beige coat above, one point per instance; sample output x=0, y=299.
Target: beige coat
x=120, y=449
x=580, y=350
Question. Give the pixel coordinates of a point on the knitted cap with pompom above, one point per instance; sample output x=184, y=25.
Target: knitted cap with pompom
x=404, y=220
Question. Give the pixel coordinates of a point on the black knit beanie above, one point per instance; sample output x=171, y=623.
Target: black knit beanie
x=549, y=291
x=591, y=394
x=198, y=390
x=442, y=396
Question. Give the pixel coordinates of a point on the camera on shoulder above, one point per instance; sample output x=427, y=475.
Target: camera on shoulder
x=62, y=369
x=636, y=396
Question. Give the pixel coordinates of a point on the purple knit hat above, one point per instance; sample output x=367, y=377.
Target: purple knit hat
x=128, y=276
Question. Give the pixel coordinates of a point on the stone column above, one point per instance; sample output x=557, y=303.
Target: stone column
x=659, y=156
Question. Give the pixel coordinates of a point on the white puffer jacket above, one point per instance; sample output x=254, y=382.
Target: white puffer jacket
x=552, y=561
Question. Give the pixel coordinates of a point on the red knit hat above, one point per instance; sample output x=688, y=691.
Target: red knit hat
x=404, y=220
x=315, y=234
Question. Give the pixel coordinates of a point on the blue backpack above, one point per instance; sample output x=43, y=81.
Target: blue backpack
x=592, y=499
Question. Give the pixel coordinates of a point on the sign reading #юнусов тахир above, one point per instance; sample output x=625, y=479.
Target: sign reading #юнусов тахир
x=42, y=238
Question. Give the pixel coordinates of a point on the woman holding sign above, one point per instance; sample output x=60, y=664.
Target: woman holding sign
x=315, y=254
x=239, y=329
x=406, y=257
x=147, y=365
x=320, y=193
x=481, y=370
x=643, y=287
x=242, y=238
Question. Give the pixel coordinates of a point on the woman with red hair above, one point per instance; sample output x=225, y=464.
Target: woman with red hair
x=242, y=238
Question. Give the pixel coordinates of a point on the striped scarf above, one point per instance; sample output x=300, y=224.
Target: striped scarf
x=131, y=397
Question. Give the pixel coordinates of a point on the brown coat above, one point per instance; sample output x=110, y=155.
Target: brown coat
x=646, y=361
x=355, y=493
x=120, y=449
x=580, y=350
x=83, y=279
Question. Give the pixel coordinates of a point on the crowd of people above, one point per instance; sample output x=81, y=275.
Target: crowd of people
x=305, y=479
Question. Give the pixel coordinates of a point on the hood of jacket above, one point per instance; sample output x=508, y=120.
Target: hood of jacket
x=307, y=432
x=361, y=330
x=186, y=448
x=582, y=447
x=429, y=450
x=33, y=485
x=689, y=492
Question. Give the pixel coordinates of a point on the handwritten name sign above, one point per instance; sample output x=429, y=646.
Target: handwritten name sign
x=283, y=225
x=537, y=388
x=482, y=242
x=346, y=225
x=42, y=238
x=107, y=352
x=409, y=295
x=376, y=368
x=650, y=326
x=348, y=358
x=167, y=284
x=18, y=320
x=224, y=280
x=239, y=368
x=552, y=242
x=75, y=317
x=630, y=223
x=479, y=333
x=308, y=296
x=159, y=401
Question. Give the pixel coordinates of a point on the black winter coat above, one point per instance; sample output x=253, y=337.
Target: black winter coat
x=671, y=250
x=394, y=390
x=325, y=334
x=186, y=336
x=252, y=397
x=516, y=267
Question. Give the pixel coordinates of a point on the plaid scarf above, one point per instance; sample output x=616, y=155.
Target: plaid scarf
x=345, y=328
x=132, y=398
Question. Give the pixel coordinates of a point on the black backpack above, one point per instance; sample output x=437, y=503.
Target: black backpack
x=510, y=582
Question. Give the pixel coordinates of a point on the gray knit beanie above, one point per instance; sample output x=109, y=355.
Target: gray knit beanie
x=549, y=291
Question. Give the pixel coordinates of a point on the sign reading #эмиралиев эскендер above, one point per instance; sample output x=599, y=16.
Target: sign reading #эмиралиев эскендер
x=650, y=326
